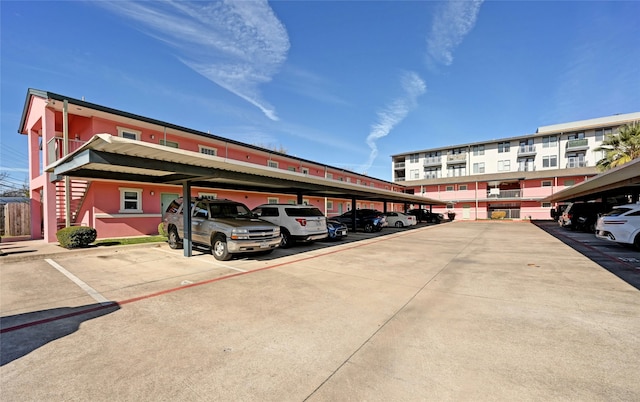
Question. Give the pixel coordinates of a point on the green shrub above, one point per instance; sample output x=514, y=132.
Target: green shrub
x=76, y=236
x=498, y=214
x=161, y=230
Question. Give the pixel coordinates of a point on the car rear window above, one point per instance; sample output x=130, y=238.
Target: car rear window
x=303, y=212
x=617, y=211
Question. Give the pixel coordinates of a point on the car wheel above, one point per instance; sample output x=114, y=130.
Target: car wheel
x=636, y=242
x=399, y=224
x=286, y=240
x=368, y=227
x=174, y=240
x=219, y=249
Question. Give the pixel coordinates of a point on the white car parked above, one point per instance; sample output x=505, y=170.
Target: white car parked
x=620, y=225
x=398, y=219
x=303, y=223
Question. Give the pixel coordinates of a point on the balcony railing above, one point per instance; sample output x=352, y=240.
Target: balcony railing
x=576, y=164
x=55, y=148
x=526, y=150
x=492, y=193
x=432, y=175
x=398, y=165
x=573, y=145
x=432, y=160
x=526, y=168
x=457, y=158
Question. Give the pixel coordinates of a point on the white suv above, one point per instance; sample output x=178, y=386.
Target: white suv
x=621, y=225
x=303, y=223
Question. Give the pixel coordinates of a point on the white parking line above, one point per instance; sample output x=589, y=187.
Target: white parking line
x=90, y=291
x=209, y=261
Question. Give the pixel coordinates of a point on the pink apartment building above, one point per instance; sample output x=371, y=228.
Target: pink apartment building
x=57, y=125
x=511, y=175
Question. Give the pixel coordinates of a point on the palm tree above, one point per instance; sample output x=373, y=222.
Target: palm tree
x=620, y=148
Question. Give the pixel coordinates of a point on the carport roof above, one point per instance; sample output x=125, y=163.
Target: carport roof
x=115, y=158
x=625, y=178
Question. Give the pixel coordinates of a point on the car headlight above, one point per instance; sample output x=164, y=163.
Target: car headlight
x=239, y=234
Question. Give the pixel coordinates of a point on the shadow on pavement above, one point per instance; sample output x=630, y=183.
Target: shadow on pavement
x=23, y=333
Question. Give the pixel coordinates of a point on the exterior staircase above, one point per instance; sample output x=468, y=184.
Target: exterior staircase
x=79, y=189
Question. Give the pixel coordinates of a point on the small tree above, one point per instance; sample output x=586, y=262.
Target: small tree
x=620, y=148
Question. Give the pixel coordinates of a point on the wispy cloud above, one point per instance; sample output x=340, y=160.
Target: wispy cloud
x=239, y=45
x=451, y=23
x=413, y=86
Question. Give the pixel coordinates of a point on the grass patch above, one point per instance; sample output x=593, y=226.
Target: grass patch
x=130, y=240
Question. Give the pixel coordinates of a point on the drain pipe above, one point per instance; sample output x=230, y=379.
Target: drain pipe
x=65, y=151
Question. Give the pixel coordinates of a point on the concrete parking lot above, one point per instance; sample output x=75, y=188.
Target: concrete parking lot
x=458, y=311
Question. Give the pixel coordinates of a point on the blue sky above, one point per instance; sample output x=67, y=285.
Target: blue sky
x=343, y=83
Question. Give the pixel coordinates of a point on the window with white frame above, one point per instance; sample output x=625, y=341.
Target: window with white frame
x=208, y=150
x=414, y=173
x=273, y=200
x=166, y=143
x=602, y=133
x=414, y=158
x=329, y=205
x=549, y=161
x=549, y=141
x=348, y=179
x=503, y=147
x=569, y=182
x=329, y=175
x=504, y=165
x=272, y=164
x=129, y=133
x=130, y=200
x=291, y=168
x=462, y=187
x=546, y=183
x=304, y=170
x=372, y=206
x=478, y=150
x=546, y=205
x=357, y=181
x=478, y=167
x=209, y=196
x=456, y=171
x=449, y=188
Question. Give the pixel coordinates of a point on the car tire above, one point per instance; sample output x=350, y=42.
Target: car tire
x=368, y=227
x=286, y=240
x=174, y=239
x=636, y=242
x=399, y=224
x=219, y=249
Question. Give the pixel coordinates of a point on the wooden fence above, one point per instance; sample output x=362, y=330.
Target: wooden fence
x=15, y=219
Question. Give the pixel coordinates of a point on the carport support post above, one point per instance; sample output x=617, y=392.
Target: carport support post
x=353, y=214
x=299, y=198
x=186, y=216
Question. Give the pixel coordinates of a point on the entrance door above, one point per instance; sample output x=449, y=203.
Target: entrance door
x=165, y=200
x=466, y=212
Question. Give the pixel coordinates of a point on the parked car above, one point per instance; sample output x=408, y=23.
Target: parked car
x=336, y=230
x=369, y=220
x=398, y=219
x=582, y=215
x=423, y=215
x=225, y=226
x=298, y=223
x=556, y=213
x=620, y=225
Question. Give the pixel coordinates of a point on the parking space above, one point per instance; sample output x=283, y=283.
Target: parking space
x=466, y=310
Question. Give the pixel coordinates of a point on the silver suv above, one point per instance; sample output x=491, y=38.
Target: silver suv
x=302, y=223
x=227, y=227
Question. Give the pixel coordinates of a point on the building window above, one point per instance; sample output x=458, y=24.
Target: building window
x=432, y=173
x=414, y=173
x=504, y=166
x=304, y=170
x=358, y=181
x=449, y=188
x=166, y=143
x=208, y=150
x=568, y=183
x=291, y=169
x=348, y=179
x=478, y=150
x=210, y=196
x=128, y=133
x=414, y=158
x=329, y=175
x=546, y=205
x=462, y=187
x=602, y=133
x=503, y=147
x=130, y=200
x=272, y=164
x=550, y=141
x=478, y=167
x=273, y=200
x=456, y=171
x=329, y=205
x=546, y=183
x=576, y=136
x=372, y=206
x=549, y=161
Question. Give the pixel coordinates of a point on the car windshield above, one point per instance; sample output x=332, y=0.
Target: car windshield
x=617, y=211
x=230, y=211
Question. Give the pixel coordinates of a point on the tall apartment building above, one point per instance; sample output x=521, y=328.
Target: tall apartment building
x=511, y=174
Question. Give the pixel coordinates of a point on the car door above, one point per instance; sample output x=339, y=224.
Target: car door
x=199, y=226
